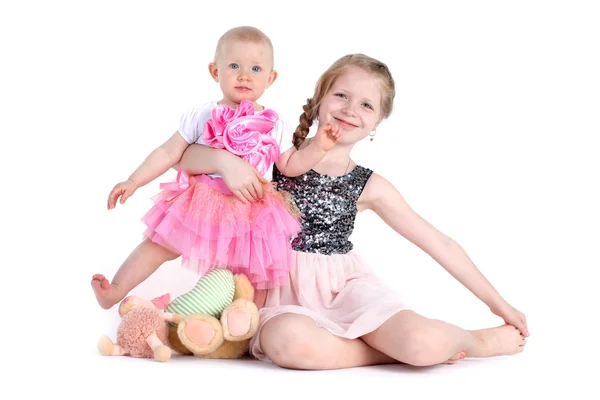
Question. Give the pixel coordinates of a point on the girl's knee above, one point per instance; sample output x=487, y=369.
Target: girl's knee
x=424, y=346
x=285, y=340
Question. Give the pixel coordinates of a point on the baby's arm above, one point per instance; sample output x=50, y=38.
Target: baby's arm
x=296, y=162
x=244, y=181
x=156, y=164
x=160, y=160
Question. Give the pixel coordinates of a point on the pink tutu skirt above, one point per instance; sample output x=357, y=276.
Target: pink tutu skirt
x=198, y=218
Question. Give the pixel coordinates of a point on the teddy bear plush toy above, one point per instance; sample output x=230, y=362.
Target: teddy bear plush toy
x=220, y=317
x=216, y=319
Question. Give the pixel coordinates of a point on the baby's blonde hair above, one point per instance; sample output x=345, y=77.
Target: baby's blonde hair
x=328, y=78
x=244, y=34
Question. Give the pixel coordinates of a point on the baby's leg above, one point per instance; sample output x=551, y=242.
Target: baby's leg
x=260, y=297
x=416, y=340
x=143, y=261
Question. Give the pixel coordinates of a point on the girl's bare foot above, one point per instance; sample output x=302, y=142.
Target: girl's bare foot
x=455, y=358
x=500, y=341
x=104, y=291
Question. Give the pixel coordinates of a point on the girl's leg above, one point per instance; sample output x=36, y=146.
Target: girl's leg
x=295, y=341
x=416, y=340
x=143, y=261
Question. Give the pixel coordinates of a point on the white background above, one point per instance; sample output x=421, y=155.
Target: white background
x=493, y=140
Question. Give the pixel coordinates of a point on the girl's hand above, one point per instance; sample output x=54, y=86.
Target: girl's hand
x=124, y=190
x=327, y=136
x=512, y=316
x=244, y=181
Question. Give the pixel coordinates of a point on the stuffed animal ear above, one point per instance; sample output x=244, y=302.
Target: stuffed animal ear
x=162, y=302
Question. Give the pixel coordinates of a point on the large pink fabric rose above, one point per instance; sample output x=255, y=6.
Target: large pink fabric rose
x=266, y=154
x=245, y=108
x=221, y=116
x=211, y=135
x=244, y=133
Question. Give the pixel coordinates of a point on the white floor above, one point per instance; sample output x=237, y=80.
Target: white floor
x=558, y=360
x=529, y=375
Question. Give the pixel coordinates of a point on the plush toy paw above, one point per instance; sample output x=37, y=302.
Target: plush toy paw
x=162, y=353
x=105, y=346
x=126, y=305
x=239, y=320
x=200, y=333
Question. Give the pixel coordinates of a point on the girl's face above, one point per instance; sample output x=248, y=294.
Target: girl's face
x=354, y=103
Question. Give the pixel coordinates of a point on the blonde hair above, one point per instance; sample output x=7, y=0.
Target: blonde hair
x=243, y=34
x=328, y=78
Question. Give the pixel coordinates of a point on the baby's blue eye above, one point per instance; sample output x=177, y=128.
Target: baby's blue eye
x=368, y=106
x=256, y=68
x=234, y=66
x=341, y=95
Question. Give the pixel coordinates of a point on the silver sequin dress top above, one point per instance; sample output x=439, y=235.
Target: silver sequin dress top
x=328, y=207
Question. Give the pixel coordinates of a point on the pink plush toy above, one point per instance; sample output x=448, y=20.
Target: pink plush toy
x=143, y=331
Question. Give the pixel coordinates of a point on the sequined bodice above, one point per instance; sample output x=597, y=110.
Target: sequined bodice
x=328, y=207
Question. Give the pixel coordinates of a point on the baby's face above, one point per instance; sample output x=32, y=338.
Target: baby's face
x=244, y=71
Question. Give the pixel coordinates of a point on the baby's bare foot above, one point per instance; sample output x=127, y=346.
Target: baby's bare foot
x=500, y=341
x=102, y=290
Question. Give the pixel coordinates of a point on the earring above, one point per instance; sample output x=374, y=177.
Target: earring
x=372, y=135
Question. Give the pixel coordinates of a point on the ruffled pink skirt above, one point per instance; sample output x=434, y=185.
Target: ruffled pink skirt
x=198, y=218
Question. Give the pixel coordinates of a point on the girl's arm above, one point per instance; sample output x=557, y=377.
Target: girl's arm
x=244, y=181
x=157, y=163
x=382, y=197
x=296, y=162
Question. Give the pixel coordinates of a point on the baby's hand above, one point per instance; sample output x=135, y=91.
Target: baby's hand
x=124, y=190
x=327, y=136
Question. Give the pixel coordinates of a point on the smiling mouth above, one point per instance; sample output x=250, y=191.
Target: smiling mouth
x=345, y=123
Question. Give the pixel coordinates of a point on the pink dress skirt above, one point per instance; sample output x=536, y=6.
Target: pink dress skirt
x=339, y=292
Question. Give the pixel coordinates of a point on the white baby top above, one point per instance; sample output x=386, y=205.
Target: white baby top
x=192, y=122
